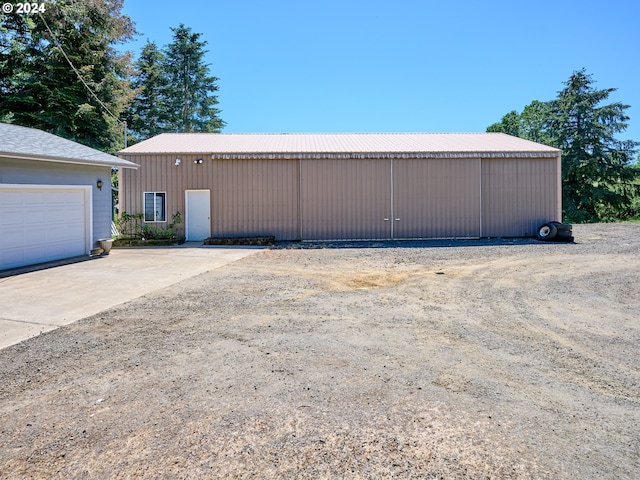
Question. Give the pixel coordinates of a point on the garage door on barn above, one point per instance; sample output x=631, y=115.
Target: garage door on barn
x=348, y=199
x=40, y=224
x=436, y=198
x=380, y=199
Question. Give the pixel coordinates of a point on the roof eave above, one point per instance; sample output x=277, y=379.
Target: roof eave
x=78, y=161
x=122, y=153
x=377, y=155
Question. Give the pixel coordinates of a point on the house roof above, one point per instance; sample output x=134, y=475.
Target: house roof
x=32, y=144
x=340, y=145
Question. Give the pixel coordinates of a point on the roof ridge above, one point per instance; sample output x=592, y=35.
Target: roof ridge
x=330, y=133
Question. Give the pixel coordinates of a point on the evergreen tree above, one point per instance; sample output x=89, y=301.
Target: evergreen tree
x=596, y=167
x=191, y=99
x=148, y=114
x=599, y=183
x=40, y=89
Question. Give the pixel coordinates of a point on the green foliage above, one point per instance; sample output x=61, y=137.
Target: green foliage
x=171, y=89
x=148, y=114
x=129, y=226
x=115, y=180
x=531, y=124
x=535, y=122
x=510, y=124
x=174, y=90
x=132, y=226
x=176, y=219
x=599, y=181
x=39, y=89
x=596, y=168
x=191, y=99
x=151, y=232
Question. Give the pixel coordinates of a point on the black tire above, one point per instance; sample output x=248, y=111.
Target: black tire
x=547, y=232
x=562, y=226
x=564, y=233
x=568, y=239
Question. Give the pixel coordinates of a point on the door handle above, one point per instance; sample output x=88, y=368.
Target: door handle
x=386, y=219
x=397, y=219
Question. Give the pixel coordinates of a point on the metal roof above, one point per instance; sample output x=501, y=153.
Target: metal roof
x=341, y=145
x=32, y=144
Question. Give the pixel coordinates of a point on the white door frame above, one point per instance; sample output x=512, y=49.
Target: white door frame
x=188, y=213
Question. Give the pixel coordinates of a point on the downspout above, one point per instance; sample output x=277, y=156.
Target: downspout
x=559, y=188
x=300, y=198
x=392, y=217
x=480, y=202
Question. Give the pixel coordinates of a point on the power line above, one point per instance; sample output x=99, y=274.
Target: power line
x=58, y=44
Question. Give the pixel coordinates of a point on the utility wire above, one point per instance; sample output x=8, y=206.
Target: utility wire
x=59, y=45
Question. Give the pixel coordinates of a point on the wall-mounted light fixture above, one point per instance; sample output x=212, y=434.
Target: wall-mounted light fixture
x=198, y=161
x=177, y=162
x=99, y=184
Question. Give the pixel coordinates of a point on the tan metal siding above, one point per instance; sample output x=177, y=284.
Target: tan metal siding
x=320, y=199
x=518, y=195
x=345, y=199
x=158, y=173
x=129, y=182
x=254, y=197
x=248, y=197
x=436, y=198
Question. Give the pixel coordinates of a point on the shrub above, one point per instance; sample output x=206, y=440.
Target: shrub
x=132, y=226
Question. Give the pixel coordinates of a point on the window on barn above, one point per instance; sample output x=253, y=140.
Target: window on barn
x=155, y=207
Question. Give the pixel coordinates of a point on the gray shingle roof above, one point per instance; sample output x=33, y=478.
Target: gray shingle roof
x=30, y=143
x=338, y=145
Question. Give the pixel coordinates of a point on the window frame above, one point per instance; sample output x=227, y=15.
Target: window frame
x=163, y=195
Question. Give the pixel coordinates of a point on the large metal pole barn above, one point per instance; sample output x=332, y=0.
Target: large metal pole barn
x=339, y=187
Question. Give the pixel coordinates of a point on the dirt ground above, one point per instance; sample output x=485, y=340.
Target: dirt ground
x=490, y=359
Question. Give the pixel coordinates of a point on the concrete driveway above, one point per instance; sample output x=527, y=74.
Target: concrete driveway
x=38, y=301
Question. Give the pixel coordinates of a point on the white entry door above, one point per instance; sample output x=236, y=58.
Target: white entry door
x=198, y=214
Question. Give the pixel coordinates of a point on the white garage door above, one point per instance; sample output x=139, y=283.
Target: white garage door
x=40, y=224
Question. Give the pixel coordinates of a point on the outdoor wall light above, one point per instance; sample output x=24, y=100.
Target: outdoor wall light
x=198, y=161
x=177, y=162
x=99, y=184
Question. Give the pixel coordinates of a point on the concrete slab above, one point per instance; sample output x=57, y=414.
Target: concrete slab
x=37, y=301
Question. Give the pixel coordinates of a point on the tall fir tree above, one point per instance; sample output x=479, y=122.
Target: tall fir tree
x=40, y=89
x=148, y=114
x=191, y=94
x=596, y=167
x=599, y=183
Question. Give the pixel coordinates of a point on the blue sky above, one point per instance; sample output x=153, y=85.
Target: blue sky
x=402, y=65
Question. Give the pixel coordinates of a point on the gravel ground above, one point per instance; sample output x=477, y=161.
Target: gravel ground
x=489, y=359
